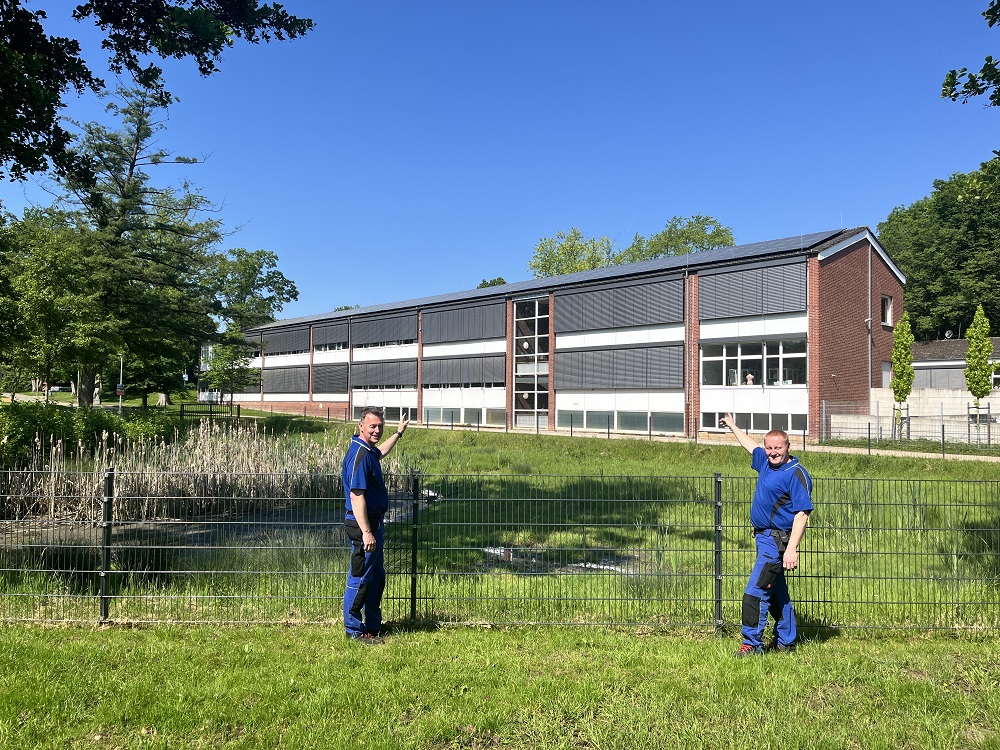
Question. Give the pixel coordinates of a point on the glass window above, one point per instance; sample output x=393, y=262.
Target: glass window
x=711, y=373
x=633, y=421
x=779, y=422
x=708, y=419
x=887, y=311
x=712, y=350
x=750, y=350
x=666, y=421
x=761, y=422
x=600, y=420
x=473, y=416
x=569, y=419
x=432, y=415
x=799, y=423
x=496, y=416
x=796, y=346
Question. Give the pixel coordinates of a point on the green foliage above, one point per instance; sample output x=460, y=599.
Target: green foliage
x=902, y=359
x=569, y=252
x=250, y=287
x=38, y=70
x=963, y=84
x=229, y=370
x=681, y=236
x=948, y=245
x=32, y=428
x=978, y=367
x=486, y=283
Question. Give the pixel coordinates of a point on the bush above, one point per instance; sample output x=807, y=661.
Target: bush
x=30, y=430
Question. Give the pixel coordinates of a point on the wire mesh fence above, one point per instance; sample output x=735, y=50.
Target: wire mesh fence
x=659, y=551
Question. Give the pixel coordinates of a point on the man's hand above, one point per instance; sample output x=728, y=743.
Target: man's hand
x=368, y=540
x=404, y=422
x=790, y=560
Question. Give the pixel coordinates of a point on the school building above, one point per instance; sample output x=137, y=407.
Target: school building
x=768, y=331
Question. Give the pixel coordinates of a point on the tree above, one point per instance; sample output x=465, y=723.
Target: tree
x=37, y=70
x=251, y=289
x=978, y=367
x=962, y=84
x=948, y=245
x=485, y=284
x=570, y=252
x=902, y=364
x=228, y=369
x=680, y=236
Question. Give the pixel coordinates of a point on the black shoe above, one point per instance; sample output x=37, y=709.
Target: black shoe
x=775, y=647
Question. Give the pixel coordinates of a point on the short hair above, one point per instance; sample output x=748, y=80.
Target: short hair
x=376, y=410
x=779, y=433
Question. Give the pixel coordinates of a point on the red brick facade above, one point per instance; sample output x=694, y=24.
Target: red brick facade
x=692, y=335
x=840, y=306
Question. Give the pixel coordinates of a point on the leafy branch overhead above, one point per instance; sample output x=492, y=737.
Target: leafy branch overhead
x=37, y=70
x=964, y=84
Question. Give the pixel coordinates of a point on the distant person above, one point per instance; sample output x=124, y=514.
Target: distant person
x=779, y=514
x=749, y=379
x=367, y=501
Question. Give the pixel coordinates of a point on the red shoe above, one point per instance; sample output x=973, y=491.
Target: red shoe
x=746, y=650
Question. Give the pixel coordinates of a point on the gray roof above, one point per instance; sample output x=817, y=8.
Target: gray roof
x=800, y=244
x=946, y=350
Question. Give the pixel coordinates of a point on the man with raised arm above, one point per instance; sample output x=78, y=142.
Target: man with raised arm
x=779, y=514
x=367, y=501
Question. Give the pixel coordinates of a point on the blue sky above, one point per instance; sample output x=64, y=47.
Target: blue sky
x=407, y=149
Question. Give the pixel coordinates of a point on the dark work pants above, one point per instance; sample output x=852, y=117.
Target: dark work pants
x=365, y=582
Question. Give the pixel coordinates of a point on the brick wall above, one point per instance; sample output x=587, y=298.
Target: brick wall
x=692, y=384
x=839, y=341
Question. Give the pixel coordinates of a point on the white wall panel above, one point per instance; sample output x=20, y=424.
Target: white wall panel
x=620, y=337
x=322, y=358
x=379, y=353
x=761, y=326
x=286, y=360
x=488, y=346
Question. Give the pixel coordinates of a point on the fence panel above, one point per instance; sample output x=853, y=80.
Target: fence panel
x=488, y=549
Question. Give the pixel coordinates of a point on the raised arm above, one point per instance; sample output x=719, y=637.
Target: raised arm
x=390, y=441
x=745, y=440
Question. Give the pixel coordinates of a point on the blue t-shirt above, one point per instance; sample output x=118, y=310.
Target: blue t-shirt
x=781, y=492
x=362, y=471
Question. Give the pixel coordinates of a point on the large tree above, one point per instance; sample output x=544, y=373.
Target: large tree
x=38, y=70
x=964, y=84
x=948, y=245
x=680, y=236
x=978, y=359
x=569, y=252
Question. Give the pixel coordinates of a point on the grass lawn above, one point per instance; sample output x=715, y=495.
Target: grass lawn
x=307, y=687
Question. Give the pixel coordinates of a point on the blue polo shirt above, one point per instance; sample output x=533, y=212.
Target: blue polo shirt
x=362, y=471
x=781, y=492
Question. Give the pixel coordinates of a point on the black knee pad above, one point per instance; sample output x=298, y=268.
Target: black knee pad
x=751, y=610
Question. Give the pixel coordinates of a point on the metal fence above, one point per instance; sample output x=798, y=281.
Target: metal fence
x=656, y=551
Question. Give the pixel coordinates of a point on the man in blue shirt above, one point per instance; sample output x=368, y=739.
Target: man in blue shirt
x=367, y=501
x=779, y=514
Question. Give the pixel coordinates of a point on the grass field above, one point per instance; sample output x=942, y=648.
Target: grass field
x=306, y=687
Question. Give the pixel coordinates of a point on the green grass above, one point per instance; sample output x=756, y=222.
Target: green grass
x=306, y=687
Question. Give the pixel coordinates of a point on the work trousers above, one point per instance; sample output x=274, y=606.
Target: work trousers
x=767, y=592
x=365, y=582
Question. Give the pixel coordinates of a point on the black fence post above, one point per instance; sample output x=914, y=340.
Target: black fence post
x=106, y=507
x=609, y=427
x=415, y=483
x=571, y=425
x=942, y=440
x=237, y=412
x=869, y=438
x=182, y=411
x=718, y=553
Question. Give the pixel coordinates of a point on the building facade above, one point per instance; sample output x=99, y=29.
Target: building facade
x=766, y=331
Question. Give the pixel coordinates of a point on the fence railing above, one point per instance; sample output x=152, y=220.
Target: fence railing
x=170, y=547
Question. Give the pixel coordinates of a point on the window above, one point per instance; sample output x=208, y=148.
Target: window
x=531, y=361
x=887, y=311
x=754, y=363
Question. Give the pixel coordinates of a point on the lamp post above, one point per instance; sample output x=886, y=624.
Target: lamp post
x=121, y=380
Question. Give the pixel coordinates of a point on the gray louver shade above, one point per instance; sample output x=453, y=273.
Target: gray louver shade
x=377, y=330
x=752, y=291
x=464, y=324
x=334, y=334
x=620, y=306
x=286, y=380
x=655, y=367
x=381, y=374
x=464, y=370
x=330, y=378
x=286, y=342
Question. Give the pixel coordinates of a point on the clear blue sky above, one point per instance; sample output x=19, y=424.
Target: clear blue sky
x=407, y=149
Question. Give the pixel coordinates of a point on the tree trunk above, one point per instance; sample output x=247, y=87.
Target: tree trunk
x=85, y=393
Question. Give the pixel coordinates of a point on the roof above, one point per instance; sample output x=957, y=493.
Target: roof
x=946, y=350
x=808, y=244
